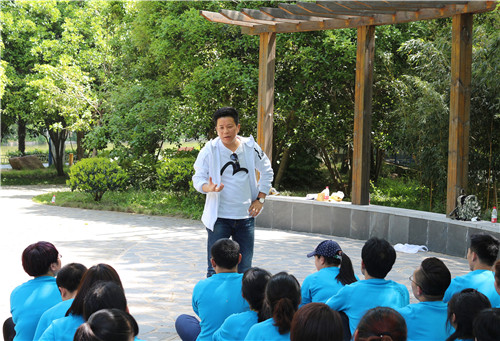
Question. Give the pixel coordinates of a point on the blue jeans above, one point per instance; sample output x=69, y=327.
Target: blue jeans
x=241, y=231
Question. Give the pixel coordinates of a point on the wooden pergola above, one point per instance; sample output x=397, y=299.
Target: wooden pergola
x=365, y=15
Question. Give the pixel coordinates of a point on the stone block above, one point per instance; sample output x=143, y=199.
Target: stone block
x=379, y=225
x=282, y=215
x=437, y=236
x=341, y=221
x=457, y=242
x=418, y=231
x=360, y=224
x=302, y=217
x=322, y=217
x=265, y=218
x=398, y=229
x=26, y=162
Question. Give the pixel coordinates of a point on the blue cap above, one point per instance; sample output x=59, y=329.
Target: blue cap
x=327, y=248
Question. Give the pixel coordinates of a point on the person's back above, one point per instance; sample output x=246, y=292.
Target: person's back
x=217, y=297
x=481, y=255
x=236, y=326
x=67, y=281
x=334, y=272
x=31, y=299
x=426, y=320
x=282, y=301
x=378, y=257
x=381, y=324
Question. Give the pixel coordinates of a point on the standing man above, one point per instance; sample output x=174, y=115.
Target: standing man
x=225, y=172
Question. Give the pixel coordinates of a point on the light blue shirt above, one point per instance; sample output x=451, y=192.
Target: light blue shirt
x=358, y=297
x=62, y=329
x=236, y=326
x=321, y=285
x=56, y=312
x=216, y=298
x=29, y=301
x=266, y=330
x=481, y=280
x=426, y=321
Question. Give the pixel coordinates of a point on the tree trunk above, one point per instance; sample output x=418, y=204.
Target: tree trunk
x=21, y=136
x=79, y=145
x=283, y=164
x=58, y=139
x=332, y=169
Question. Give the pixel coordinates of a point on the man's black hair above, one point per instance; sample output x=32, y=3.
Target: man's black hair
x=226, y=112
x=70, y=275
x=433, y=277
x=378, y=256
x=485, y=246
x=226, y=253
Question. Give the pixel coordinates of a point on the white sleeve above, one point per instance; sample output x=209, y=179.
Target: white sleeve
x=201, y=170
x=263, y=165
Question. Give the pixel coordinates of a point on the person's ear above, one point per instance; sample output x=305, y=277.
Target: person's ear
x=453, y=318
x=239, y=258
x=64, y=293
x=355, y=336
x=213, y=263
x=420, y=292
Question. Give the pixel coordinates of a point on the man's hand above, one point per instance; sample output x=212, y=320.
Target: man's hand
x=255, y=208
x=211, y=187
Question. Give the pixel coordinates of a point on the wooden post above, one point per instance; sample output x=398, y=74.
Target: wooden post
x=267, y=55
x=362, y=115
x=460, y=92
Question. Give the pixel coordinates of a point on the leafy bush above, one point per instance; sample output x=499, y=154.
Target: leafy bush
x=96, y=176
x=142, y=173
x=175, y=172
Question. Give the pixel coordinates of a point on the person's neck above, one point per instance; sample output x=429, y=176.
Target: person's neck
x=481, y=266
x=226, y=271
x=233, y=145
x=368, y=276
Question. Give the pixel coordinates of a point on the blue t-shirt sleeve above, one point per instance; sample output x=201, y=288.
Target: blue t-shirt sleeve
x=306, y=292
x=338, y=302
x=48, y=334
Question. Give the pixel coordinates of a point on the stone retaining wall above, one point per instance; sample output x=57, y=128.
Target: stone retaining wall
x=438, y=233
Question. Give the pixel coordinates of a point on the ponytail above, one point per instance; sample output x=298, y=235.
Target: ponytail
x=283, y=313
x=346, y=271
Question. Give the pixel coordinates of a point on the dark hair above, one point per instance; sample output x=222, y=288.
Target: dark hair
x=70, y=275
x=465, y=305
x=253, y=288
x=226, y=253
x=282, y=300
x=381, y=323
x=38, y=257
x=486, y=325
x=378, y=256
x=108, y=325
x=433, y=277
x=99, y=272
x=316, y=322
x=346, y=271
x=103, y=295
x=226, y=112
x=485, y=246
x=496, y=268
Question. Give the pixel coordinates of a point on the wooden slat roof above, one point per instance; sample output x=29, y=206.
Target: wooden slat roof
x=326, y=15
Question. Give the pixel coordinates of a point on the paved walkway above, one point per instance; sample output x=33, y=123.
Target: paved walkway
x=159, y=259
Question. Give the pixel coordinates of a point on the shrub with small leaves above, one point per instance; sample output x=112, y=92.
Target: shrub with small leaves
x=96, y=176
x=175, y=173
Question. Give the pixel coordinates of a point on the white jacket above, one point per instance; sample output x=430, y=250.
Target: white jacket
x=208, y=164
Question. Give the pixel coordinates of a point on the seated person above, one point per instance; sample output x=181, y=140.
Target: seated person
x=428, y=283
x=108, y=324
x=253, y=287
x=67, y=281
x=334, y=271
x=486, y=325
x=496, y=268
x=64, y=328
x=216, y=297
x=481, y=255
x=31, y=299
x=377, y=259
x=316, y=321
x=281, y=302
x=381, y=323
x=463, y=308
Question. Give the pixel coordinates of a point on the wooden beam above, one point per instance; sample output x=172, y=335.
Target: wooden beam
x=460, y=92
x=265, y=108
x=362, y=115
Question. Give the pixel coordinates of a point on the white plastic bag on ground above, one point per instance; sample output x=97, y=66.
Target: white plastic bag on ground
x=409, y=248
